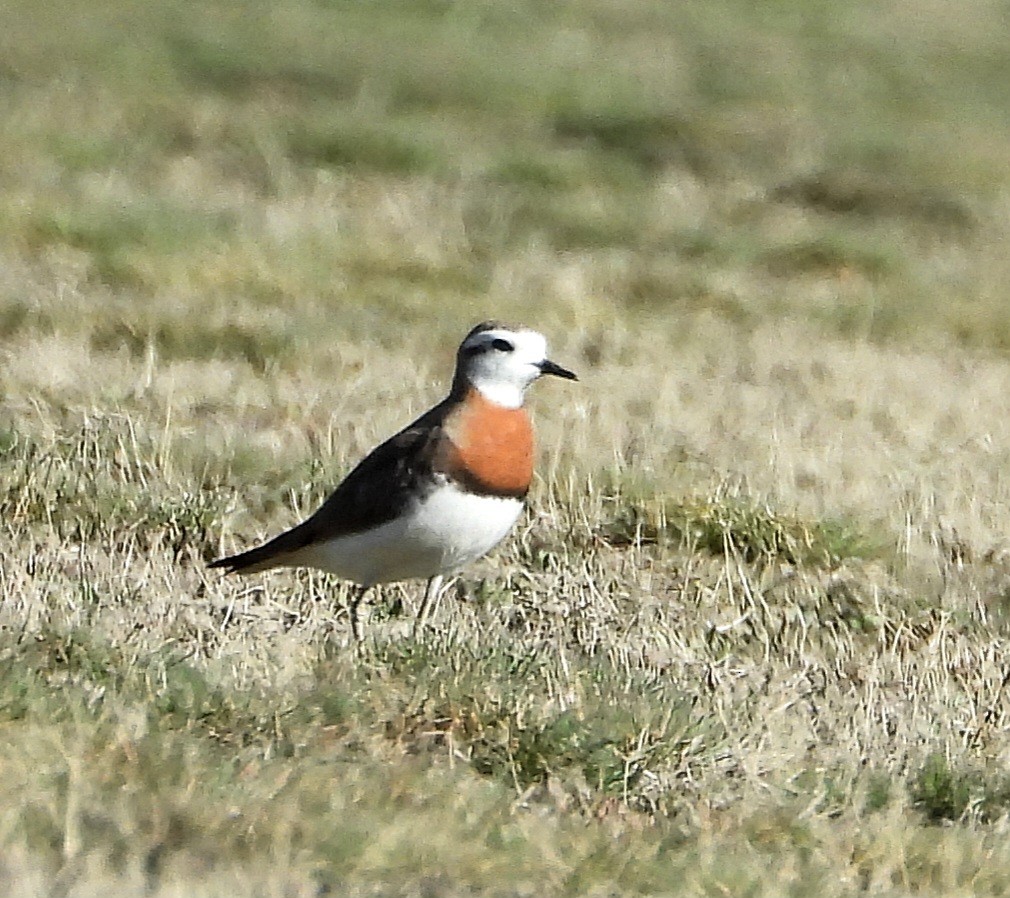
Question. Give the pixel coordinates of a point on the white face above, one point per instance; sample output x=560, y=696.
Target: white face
x=502, y=363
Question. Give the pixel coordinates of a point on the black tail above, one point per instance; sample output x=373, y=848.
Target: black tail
x=245, y=562
x=272, y=554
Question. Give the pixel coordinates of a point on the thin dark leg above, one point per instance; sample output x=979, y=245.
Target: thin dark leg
x=357, y=596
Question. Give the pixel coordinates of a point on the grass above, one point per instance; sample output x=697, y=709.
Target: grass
x=749, y=638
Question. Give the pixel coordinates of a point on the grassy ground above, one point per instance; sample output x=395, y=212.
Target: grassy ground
x=749, y=639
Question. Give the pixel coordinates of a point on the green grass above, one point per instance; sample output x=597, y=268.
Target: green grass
x=570, y=128
x=949, y=794
x=721, y=525
x=749, y=637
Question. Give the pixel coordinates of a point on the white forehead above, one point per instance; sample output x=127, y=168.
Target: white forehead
x=528, y=344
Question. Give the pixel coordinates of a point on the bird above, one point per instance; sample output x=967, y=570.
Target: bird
x=437, y=495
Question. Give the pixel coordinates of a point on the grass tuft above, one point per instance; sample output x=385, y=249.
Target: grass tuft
x=728, y=525
x=946, y=792
x=648, y=141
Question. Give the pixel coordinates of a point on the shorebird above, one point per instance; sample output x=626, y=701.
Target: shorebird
x=439, y=494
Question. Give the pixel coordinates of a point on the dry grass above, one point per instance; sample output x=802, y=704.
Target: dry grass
x=750, y=637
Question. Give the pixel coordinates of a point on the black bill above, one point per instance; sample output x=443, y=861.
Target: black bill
x=548, y=367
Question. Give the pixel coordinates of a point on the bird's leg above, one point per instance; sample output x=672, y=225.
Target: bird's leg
x=428, y=603
x=357, y=596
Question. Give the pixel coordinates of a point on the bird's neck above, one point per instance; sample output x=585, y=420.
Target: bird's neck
x=497, y=392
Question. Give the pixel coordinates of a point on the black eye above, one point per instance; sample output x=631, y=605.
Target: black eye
x=501, y=345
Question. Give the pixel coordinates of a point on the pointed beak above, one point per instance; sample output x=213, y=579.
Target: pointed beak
x=548, y=367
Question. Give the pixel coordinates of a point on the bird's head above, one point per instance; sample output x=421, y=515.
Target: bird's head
x=502, y=362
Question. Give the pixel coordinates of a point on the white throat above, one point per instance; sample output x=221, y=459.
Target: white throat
x=503, y=393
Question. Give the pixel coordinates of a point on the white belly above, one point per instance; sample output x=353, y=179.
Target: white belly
x=440, y=534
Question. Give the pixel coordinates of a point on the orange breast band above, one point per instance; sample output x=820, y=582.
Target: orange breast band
x=492, y=447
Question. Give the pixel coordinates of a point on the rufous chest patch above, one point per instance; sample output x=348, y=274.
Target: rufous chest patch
x=491, y=447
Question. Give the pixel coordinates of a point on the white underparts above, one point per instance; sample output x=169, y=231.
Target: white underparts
x=437, y=535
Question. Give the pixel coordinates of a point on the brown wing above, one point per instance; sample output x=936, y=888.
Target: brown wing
x=378, y=490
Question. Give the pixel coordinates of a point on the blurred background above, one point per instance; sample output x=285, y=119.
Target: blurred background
x=248, y=179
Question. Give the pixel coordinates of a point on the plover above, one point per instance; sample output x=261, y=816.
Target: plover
x=439, y=494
